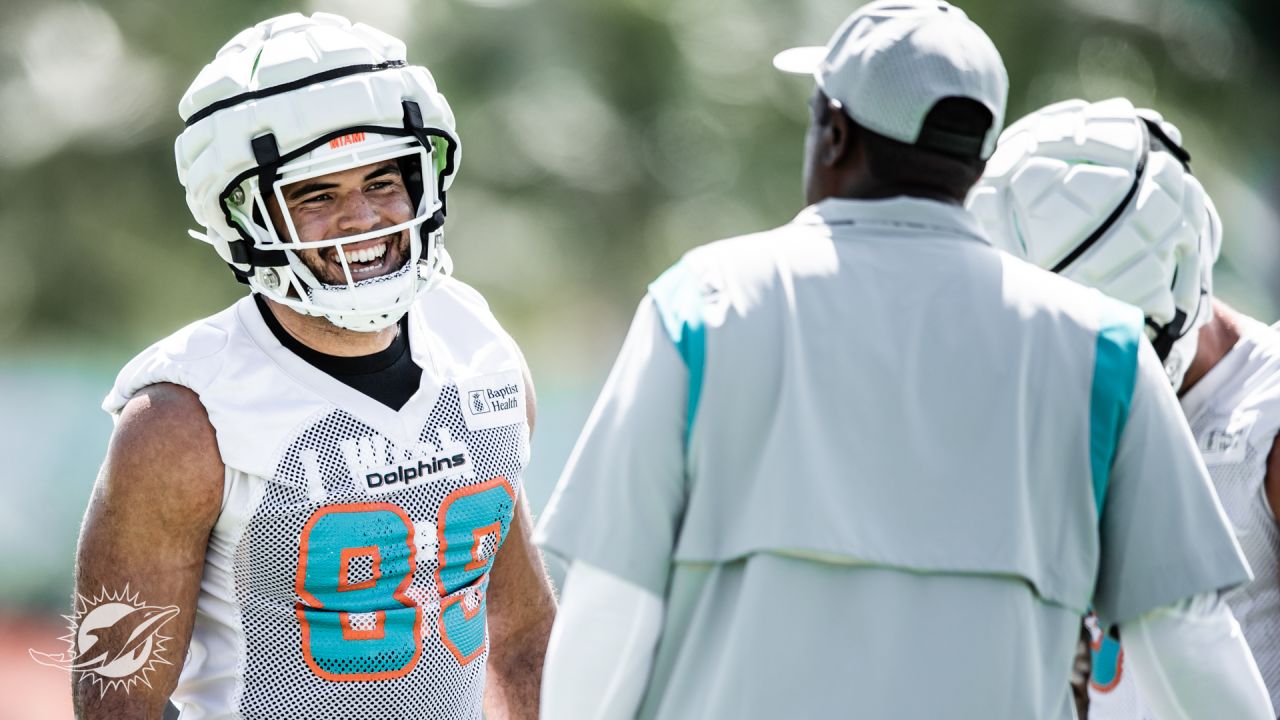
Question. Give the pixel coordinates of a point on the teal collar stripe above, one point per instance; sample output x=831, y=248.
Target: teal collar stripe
x=678, y=297
x=1115, y=369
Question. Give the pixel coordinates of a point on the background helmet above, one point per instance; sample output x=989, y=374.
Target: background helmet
x=295, y=97
x=1103, y=194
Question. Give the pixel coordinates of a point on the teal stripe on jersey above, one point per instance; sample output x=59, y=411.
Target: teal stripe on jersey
x=1115, y=369
x=678, y=297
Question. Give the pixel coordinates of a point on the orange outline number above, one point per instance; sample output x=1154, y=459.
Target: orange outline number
x=1106, y=655
x=333, y=648
x=468, y=516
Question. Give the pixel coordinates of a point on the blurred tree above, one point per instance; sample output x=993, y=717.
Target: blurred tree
x=600, y=141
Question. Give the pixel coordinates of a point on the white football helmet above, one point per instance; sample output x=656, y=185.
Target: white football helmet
x=1102, y=193
x=296, y=97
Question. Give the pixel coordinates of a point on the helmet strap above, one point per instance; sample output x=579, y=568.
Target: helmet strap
x=1138, y=173
x=243, y=251
x=1168, y=334
x=1160, y=140
x=267, y=152
x=414, y=125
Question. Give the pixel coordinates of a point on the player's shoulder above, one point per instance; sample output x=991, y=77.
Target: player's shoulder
x=451, y=298
x=168, y=422
x=1262, y=340
x=450, y=289
x=199, y=340
x=163, y=434
x=1257, y=360
x=460, y=318
x=191, y=357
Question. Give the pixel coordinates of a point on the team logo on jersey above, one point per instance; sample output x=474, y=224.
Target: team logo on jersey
x=115, y=640
x=490, y=401
x=378, y=471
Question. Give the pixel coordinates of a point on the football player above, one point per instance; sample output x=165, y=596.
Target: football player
x=1103, y=194
x=826, y=448
x=324, y=478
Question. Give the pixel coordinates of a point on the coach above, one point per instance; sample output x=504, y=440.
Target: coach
x=867, y=466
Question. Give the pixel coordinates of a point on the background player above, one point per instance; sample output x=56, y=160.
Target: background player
x=1103, y=194
x=325, y=477
x=825, y=449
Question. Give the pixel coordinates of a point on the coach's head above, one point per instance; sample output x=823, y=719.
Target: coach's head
x=909, y=100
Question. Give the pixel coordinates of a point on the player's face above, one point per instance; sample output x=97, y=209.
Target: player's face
x=345, y=203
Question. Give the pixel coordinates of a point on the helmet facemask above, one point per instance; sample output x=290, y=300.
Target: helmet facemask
x=368, y=304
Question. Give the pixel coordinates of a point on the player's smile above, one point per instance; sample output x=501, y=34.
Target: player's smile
x=346, y=203
x=366, y=259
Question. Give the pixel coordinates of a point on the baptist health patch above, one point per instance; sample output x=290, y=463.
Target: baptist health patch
x=490, y=401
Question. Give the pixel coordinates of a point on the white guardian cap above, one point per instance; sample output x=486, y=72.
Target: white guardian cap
x=297, y=97
x=1102, y=193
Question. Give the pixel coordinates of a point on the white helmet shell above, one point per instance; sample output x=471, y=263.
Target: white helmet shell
x=295, y=97
x=1102, y=193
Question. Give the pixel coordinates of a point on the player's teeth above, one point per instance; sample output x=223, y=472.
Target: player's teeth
x=366, y=254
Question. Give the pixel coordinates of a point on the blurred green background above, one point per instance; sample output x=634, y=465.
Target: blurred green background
x=601, y=138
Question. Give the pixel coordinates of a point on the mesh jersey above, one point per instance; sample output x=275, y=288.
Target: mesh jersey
x=1234, y=413
x=346, y=575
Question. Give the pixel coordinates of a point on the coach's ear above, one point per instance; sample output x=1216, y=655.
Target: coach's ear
x=840, y=146
x=833, y=154
x=833, y=132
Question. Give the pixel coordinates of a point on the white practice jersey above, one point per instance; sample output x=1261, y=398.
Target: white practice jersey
x=346, y=575
x=1234, y=413
x=849, y=452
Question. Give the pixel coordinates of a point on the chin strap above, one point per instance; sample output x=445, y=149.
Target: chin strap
x=436, y=221
x=1167, y=334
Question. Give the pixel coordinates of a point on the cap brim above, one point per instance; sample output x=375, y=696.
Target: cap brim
x=800, y=60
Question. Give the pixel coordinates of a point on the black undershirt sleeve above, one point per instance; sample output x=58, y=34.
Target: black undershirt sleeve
x=389, y=376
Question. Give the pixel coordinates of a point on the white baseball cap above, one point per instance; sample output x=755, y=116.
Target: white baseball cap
x=891, y=61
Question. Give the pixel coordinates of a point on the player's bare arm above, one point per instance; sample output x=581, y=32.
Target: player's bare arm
x=147, y=527
x=521, y=611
